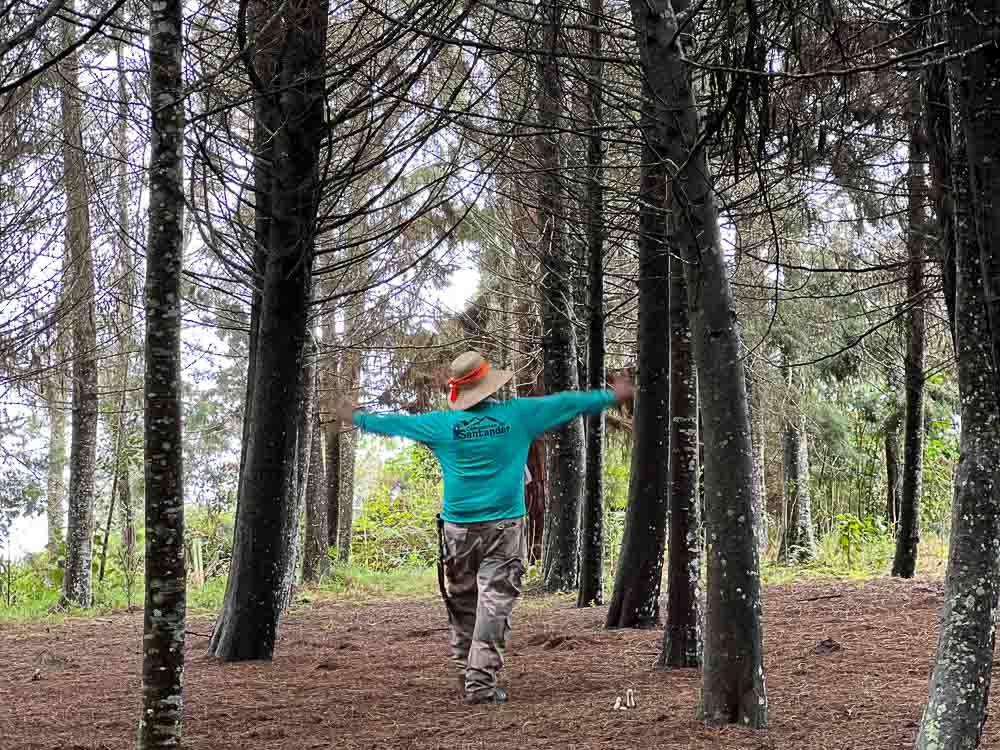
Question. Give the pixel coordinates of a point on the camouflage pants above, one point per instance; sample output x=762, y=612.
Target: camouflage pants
x=484, y=563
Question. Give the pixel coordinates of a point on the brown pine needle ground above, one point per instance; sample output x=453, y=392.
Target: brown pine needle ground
x=847, y=672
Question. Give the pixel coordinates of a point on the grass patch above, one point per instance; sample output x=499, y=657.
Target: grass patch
x=353, y=582
x=872, y=559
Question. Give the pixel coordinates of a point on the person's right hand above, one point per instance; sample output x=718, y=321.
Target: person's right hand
x=623, y=387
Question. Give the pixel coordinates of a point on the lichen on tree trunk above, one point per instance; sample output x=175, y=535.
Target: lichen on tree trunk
x=960, y=683
x=80, y=281
x=733, y=674
x=682, y=634
x=166, y=579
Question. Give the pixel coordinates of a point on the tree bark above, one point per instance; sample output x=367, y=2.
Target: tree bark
x=566, y=449
x=682, y=644
x=126, y=300
x=893, y=478
x=908, y=531
x=345, y=524
x=83, y=450
x=937, y=115
x=591, y=590
x=960, y=683
x=55, y=487
x=758, y=438
x=247, y=626
x=166, y=578
x=799, y=542
x=314, y=558
x=296, y=504
x=332, y=436
x=635, y=600
x=733, y=675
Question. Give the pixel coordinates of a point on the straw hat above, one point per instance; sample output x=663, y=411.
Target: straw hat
x=472, y=380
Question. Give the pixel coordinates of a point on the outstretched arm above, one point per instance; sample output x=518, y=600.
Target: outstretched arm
x=547, y=412
x=424, y=428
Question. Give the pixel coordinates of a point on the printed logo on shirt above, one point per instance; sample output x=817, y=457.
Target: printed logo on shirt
x=469, y=429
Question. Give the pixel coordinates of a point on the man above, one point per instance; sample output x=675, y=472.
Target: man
x=482, y=446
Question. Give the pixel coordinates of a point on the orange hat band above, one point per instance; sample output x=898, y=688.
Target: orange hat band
x=471, y=377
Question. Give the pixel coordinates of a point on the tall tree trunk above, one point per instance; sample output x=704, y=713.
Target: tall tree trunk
x=247, y=626
x=351, y=373
x=566, y=454
x=55, y=487
x=80, y=280
x=345, y=524
x=591, y=590
x=758, y=438
x=682, y=644
x=733, y=674
x=116, y=423
x=266, y=122
x=799, y=541
x=331, y=434
x=635, y=600
x=314, y=557
x=893, y=476
x=937, y=116
x=166, y=578
x=904, y=563
x=296, y=506
x=126, y=300
x=960, y=683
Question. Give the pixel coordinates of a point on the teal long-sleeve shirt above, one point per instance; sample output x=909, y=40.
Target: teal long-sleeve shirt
x=483, y=451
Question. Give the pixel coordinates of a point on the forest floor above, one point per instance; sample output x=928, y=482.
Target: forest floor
x=373, y=675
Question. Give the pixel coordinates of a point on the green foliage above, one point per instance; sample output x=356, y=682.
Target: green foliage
x=852, y=532
x=397, y=526
x=940, y=457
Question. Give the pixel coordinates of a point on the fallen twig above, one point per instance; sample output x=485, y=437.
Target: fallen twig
x=818, y=598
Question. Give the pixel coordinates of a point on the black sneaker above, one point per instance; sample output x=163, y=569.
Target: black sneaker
x=495, y=698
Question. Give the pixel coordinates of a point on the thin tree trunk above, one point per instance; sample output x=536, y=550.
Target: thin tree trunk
x=566, y=451
x=345, y=524
x=331, y=432
x=799, y=544
x=247, y=626
x=353, y=327
x=635, y=600
x=296, y=504
x=80, y=280
x=956, y=710
x=314, y=557
x=733, y=674
x=799, y=541
x=332, y=437
x=908, y=532
x=937, y=116
x=166, y=579
x=117, y=432
x=591, y=590
x=55, y=487
x=126, y=300
x=682, y=644
x=758, y=438
x=894, y=485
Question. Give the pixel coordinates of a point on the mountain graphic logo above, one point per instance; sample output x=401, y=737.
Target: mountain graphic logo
x=479, y=427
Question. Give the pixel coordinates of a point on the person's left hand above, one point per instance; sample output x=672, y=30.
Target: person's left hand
x=345, y=412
